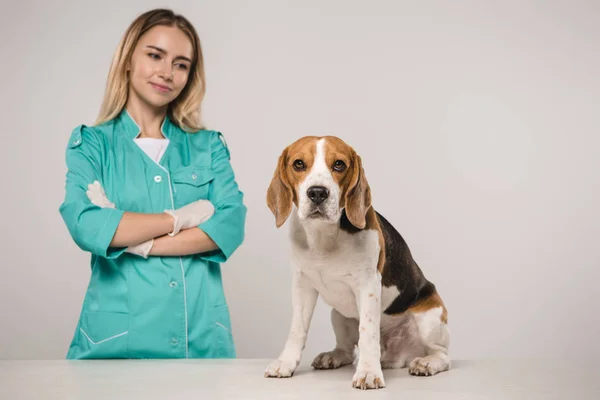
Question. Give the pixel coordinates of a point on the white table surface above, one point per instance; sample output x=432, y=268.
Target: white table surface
x=243, y=379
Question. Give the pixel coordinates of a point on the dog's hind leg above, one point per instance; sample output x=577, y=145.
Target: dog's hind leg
x=434, y=334
x=418, y=338
x=346, y=338
x=400, y=341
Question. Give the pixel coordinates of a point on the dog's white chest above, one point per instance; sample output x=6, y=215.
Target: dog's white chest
x=338, y=272
x=335, y=290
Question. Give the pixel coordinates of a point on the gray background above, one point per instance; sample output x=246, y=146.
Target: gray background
x=477, y=123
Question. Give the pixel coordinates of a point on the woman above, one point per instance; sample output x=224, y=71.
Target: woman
x=152, y=195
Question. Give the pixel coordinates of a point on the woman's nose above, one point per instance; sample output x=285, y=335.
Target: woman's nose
x=166, y=72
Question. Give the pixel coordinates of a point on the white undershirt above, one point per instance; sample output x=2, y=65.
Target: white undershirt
x=155, y=148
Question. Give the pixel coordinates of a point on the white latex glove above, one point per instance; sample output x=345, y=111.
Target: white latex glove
x=142, y=249
x=98, y=197
x=191, y=215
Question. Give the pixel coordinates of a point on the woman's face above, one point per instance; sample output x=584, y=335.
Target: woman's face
x=160, y=66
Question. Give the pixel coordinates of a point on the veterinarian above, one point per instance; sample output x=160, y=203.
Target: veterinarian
x=152, y=196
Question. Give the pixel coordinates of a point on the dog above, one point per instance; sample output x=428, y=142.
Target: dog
x=350, y=255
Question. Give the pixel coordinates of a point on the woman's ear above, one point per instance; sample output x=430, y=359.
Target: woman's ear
x=279, y=194
x=358, y=195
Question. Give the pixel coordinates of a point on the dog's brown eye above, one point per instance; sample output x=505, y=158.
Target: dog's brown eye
x=299, y=165
x=339, y=166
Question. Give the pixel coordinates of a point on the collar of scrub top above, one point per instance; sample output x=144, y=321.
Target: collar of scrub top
x=132, y=129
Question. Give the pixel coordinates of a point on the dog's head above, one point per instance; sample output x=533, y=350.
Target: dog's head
x=322, y=176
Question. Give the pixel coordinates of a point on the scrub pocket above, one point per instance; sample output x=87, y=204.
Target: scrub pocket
x=191, y=183
x=103, y=335
x=222, y=337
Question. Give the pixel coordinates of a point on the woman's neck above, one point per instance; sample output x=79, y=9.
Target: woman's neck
x=149, y=120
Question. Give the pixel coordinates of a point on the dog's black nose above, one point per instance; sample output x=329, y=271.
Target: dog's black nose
x=317, y=194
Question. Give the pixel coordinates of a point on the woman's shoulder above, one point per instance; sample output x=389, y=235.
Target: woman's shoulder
x=90, y=135
x=202, y=134
x=214, y=139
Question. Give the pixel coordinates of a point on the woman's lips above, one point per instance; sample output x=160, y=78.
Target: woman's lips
x=160, y=88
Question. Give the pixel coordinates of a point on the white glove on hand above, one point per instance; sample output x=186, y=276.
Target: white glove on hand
x=98, y=197
x=142, y=249
x=191, y=215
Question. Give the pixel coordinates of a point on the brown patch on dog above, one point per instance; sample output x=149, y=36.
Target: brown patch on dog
x=432, y=301
x=373, y=223
x=283, y=188
x=336, y=149
x=381, y=261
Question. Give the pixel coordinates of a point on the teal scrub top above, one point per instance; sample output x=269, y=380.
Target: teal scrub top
x=159, y=307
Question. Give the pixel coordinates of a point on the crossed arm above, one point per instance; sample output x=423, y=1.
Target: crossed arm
x=189, y=241
x=150, y=234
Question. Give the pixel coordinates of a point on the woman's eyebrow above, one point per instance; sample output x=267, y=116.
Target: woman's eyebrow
x=165, y=52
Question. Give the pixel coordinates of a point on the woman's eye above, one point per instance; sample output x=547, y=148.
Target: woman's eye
x=299, y=165
x=182, y=66
x=339, y=165
x=154, y=56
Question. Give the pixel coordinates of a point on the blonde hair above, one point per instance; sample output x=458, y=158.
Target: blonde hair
x=185, y=109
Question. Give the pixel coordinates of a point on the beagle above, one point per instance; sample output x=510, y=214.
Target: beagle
x=350, y=255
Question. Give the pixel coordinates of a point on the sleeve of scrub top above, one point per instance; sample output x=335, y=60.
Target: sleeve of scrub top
x=227, y=225
x=91, y=227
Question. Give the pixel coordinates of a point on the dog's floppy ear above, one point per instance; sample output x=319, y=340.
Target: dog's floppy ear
x=279, y=194
x=358, y=194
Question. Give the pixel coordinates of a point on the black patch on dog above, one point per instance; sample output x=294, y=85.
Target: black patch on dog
x=402, y=271
x=346, y=225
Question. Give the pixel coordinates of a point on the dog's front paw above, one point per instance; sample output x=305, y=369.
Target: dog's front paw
x=427, y=366
x=333, y=359
x=368, y=379
x=280, y=369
